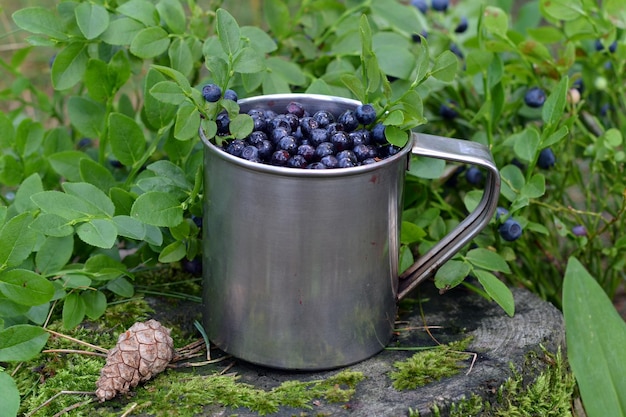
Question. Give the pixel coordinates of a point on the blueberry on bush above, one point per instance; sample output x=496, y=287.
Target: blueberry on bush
x=448, y=111
x=365, y=114
x=546, y=158
x=579, y=230
x=510, y=230
x=501, y=212
x=439, y=5
x=600, y=46
x=474, y=176
x=462, y=26
x=211, y=92
x=230, y=95
x=420, y=5
x=534, y=97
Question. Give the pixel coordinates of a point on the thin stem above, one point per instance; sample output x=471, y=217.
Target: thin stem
x=81, y=342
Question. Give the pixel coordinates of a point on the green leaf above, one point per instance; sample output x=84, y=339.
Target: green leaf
x=54, y=254
x=411, y=233
x=21, y=342
x=406, y=258
x=496, y=289
x=39, y=20
x=75, y=280
x=451, y=274
x=69, y=66
x=11, y=170
x=168, y=92
x=25, y=287
x=555, y=137
x=121, y=31
x=563, y=9
x=126, y=138
x=10, y=395
x=512, y=182
x=288, y=71
x=86, y=115
x=487, y=259
x=52, y=225
x=65, y=205
x=158, y=209
x=187, y=122
x=258, y=39
x=92, y=195
x=95, y=303
x=130, y=227
x=172, y=172
x=445, y=67
x=96, y=80
x=396, y=136
x=496, y=21
x=121, y=287
x=98, y=232
x=228, y=32
x=96, y=174
x=276, y=15
x=92, y=19
x=67, y=164
x=478, y=61
x=526, y=144
x=617, y=12
x=428, y=168
x=241, y=126
x=172, y=12
x=249, y=61
x=173, y=252
x=180, y=57
x=535, y=187
x=73, y=310
x=554, y=106
x=595, y=334
x=28, y=187
x=17, y=240
x=28, y=138
x=150, y=42
x=142, y=10
x=157, y=113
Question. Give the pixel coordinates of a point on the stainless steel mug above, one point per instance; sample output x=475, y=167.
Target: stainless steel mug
x=301, y=266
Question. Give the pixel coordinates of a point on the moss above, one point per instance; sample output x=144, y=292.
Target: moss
x=430, y=365
x=550, y=394
x=189, y=394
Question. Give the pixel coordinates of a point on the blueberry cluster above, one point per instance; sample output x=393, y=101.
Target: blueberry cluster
x=299, y=139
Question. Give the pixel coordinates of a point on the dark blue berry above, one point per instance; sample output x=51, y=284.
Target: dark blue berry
x=295, y=108
x=535, y=97
x=334, y=127
x=474, y=176
x=347, y=154
x=365, y=114
x=462, y=26
x=235, y=147
x=454, y=48
x=211, y=92
x=256, y=137
x=448, y=110
x=279, y=122
x=361, y=136
x=307, y=151
x=420, y=5
x=501, y=212
x=197, y=220
x=230, y=95
x=116, y=164
x=417, y=38
x=363, y=152
x=439, y=5
x=223, y=123
x=324, y=149
x=378, y=134
x=369, y=161
x=280, y=157
x=297, y=161
x=251, y=153
x=324, y=118
x=330, y=161
x=84, y=143
x=289, y=144
x=318, y=136
x=510, y=230
x=345, y=163
x=266, y=149
x=277, y=134
x=349, y=120
x=605, y=109
x=259, y=122
x=341, y=140
x=307, y=124
x=579, y=230
x=193, y=267
x=546, y=159
x=388, y=150
x=600, y=46
x=579, y=84
x=316, y=165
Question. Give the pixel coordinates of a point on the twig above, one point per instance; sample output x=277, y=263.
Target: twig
x=72, y=407
x=58, y=394
x=475, y=356
x=230, y=365
x=82, y=352
x=98, y=348
x=127, y=412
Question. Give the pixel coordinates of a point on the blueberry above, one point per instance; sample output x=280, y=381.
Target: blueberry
x=341, y=141
x=289, y=144
x=280, y=157
x=266, y=149
x=197, y=220
x=193, y=267
x=307, y=124
x=251, y=153
x=230, y=95
x=439, y=5
x=295, y=108
x=378, y=134
x=84, y=143
x=306, y=151
x=365, y=114
x=345, y=163
x=348, y=120
x=363, y=152
x=316, y=165
x=324, y=118
x=417, y=38
x=388, y=150
x=534, y=97
x=324, y=149
x=420, y=5
x=361, y=136
x=223, y=123
x=369, y=161
x=474, y=175
x=501, y=212
x=605, y=109
x=462, y=26
x=260, y=122
x=211, y=92
x=116, y=164
x=256, y=137
x=277, y=134
x=297, y=161
x=546, y=159
x=318, y=136
x=510, y=230
x=448, y=111
x=235, y=147
x=279, y=122
x=334, y=127
x=579, y=84
x=330, y=161
x=454, y=48
x=293, y=120
x=347, y=154
x=579, y=230
x=600, y=46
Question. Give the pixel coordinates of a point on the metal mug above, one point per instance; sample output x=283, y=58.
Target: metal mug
x=301, y=266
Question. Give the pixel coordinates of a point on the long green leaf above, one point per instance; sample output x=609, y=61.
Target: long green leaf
x=26, y=287
x=496, y=289
x=228, y=32
x=10, y=396
x=21, y=342
x=16, y=240
x=127, y=140
x=596, y=337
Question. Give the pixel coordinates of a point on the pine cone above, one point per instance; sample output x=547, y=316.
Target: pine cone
x=141, y=352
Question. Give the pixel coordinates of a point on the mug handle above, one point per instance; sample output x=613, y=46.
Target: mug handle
x=465, y=151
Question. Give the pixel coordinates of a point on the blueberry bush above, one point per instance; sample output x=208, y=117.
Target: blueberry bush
x=101, y=166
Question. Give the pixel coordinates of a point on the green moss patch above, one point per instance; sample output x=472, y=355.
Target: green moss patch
x=430, y=365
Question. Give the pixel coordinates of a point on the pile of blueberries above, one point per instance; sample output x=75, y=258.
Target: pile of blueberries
x=299, y=139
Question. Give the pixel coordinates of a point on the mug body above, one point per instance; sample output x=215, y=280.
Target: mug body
x=300, y=266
